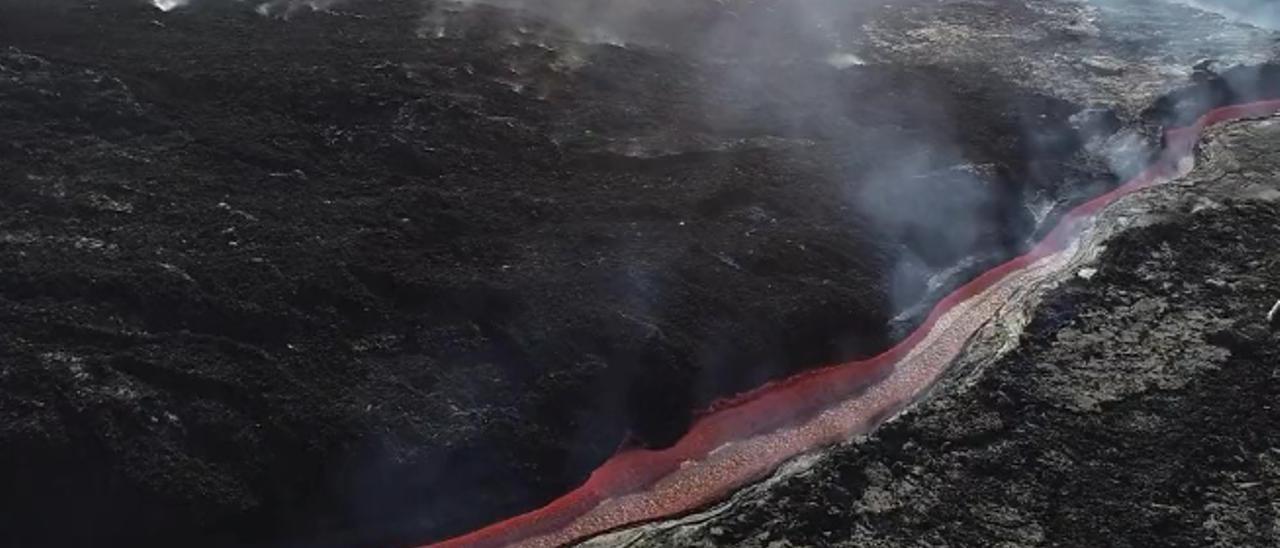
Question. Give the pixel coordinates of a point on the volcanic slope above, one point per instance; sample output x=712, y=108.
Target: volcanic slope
x=341, y=276
x=1138, y=407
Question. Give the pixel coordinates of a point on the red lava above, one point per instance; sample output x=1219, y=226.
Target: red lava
x=742, y=439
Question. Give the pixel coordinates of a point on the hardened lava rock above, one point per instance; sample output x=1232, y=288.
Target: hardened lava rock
x=381, y=272
x=1138, y=408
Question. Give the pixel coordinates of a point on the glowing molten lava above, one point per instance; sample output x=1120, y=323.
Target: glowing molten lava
x=744, y=439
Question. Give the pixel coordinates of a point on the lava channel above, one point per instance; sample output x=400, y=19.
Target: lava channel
x=743, y=439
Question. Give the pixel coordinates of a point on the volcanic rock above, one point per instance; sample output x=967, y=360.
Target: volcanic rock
x=382, y=272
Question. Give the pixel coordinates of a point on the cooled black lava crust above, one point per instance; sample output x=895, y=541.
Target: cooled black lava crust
x=1138, y=410
x=333, y=280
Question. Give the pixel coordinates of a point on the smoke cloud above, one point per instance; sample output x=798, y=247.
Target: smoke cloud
x=776, y=60
x=1259, y=13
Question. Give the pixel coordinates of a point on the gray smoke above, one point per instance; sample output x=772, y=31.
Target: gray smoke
x=1258, y=13
x=731, y=28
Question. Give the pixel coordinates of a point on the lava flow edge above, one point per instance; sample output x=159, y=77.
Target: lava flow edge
x=775, y=406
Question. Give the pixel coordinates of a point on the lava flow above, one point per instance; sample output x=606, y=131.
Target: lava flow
x=743, y=439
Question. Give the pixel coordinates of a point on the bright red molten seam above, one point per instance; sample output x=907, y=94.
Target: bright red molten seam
x=637, y=485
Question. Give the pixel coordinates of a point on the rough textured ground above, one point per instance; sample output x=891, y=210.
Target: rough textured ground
x=1140, y=407
x=391, y=272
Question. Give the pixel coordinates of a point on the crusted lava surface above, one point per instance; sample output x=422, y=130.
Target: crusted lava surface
x=1138, y=409
x=387, y=273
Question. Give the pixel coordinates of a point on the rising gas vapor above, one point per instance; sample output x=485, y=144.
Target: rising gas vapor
x=264, y=7
x=1259, y=13
x=168, y=5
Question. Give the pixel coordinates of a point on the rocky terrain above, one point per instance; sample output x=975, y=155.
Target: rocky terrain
x=385, y=272
x=1138, y=408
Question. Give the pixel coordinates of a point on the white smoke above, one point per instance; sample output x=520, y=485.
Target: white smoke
x=168, y=5
x=263, y=7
